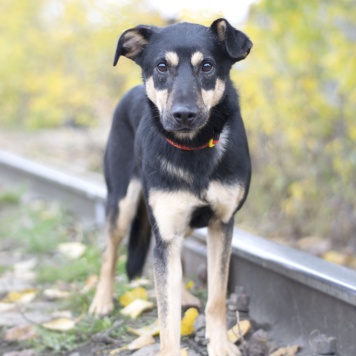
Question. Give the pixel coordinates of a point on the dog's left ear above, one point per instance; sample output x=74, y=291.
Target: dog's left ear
x=237, y=44
x=132, y=43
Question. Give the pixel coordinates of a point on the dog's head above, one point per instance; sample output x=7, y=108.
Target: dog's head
x=185, y=67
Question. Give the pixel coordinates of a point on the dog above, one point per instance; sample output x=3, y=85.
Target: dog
x=177, y=158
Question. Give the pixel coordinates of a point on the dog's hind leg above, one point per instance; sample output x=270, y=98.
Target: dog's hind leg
x=219, y=250
x=119, y=219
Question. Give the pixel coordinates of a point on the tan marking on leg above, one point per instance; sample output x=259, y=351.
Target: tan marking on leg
x=158, y=97
x=103, y=301
x=196, y=58
x=224, y=199
x=172, y=58
x=172, y=211
x=212, y=97
x=218, y=263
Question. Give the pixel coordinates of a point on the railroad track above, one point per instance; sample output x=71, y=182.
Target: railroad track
x=291, y=293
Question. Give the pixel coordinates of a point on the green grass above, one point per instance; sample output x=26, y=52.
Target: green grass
x=9, y=198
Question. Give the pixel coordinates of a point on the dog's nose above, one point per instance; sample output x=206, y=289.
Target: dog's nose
x=184, y=116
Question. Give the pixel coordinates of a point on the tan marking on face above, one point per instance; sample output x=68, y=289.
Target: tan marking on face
x=197, y=58
x=158, y=97
x=212, y=97
x=221, y=26
x=134, y=43
x=172, y=211
x=224, y=199
x=172, y=59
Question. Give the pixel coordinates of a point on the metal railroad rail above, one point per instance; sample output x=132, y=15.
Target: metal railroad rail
x=292, y=293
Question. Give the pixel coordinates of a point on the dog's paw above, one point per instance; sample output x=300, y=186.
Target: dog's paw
x=102, y=304
x=222, y=348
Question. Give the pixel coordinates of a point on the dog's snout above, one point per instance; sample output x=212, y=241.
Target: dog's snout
x=184, y=115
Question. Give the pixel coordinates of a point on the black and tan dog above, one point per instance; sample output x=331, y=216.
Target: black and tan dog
x=177, y=158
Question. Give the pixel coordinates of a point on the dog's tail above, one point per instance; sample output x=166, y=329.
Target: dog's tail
x=139, y=241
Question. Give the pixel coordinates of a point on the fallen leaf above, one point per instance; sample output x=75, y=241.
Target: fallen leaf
x=20, y=333
x=60, y=324
x=27, y=352
x=72, y=250
x=139, y=282
x=136, y=344
x=62, y=314
x=184, y=352
x=22, y=297
x=189, y=285
x=336, y=257
x=90, y=283
x=53, y=294
x=234, y=333
x=286, y=351
x=187, y=323
x=25, y=266
x=136, y=308
x=152, y=329
x=130, y=296
x=4, y=307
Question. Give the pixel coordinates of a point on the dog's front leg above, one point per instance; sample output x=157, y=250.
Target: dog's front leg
x=168, y=277
x=169, y=213
x=219, y=250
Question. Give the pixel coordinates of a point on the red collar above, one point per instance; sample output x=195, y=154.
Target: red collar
x=210, y=144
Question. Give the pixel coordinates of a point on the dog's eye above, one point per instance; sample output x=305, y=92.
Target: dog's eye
x=162, y=67
x=206, y=67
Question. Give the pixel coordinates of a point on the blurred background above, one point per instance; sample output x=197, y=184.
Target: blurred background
x=58, y=90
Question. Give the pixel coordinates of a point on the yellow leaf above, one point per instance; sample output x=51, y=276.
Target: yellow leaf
x=136, y=308
x=72, y=250
x=130, y=296
x=20, y=333
x=190, y=285
x=336, y=257
x=152, y=329
x=187, y=323
x=22, y=297
x=286, y=351
x=60, y=324
x=234, y=333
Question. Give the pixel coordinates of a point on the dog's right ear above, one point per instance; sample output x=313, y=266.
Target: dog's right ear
x=132, y=43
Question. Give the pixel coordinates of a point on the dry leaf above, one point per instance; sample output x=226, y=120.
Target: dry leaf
x=234, y=333
x=152, y=329
x=286, y=351
x=20, y=333
x=62, y=314
x=139, y=282
x=25, y=266
x=187, y=323
x=60, y=324
x=55, y=294
x=139, y=343
x=72, y=250
x=90, y=283
x=4, y=307
x=22, y=297
x=184, y=352
x=336, y=257
x=130, y=296
x=136, y=308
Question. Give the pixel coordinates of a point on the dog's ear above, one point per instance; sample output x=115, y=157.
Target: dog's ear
x=237, y=44
x=132, y=43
